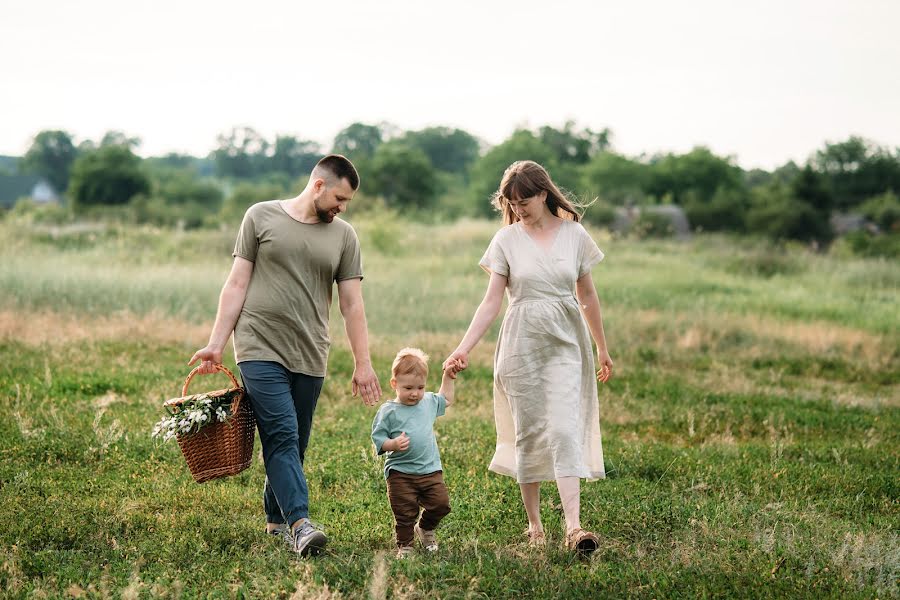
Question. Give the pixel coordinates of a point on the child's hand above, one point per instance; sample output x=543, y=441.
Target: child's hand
x=458, y=361
x=399, y=443
x=452, y=368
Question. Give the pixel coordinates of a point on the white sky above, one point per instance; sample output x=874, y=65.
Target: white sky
x=764, y=80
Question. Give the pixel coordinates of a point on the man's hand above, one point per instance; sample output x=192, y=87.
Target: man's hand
x=397, y=444
x=365, y=383
x=209, y=357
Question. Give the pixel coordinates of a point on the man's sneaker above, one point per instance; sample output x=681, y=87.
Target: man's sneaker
x=308, y=539
x=427, y=538
x=404, y=552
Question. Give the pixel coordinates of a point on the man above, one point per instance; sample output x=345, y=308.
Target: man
x=276, y=300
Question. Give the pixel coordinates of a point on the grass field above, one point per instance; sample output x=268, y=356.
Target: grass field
x=752, y=434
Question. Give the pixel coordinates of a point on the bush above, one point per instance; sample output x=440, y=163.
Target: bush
x=245, y=195
x=884, y=211
x=726, y=211
x=766, y=263
x=862, y=243
x=110, y=175
x=652, y=224
x=600, y=214
x=50, y=213
x=779, y=215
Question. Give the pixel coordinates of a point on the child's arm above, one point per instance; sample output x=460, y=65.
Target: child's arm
x=381, y=432
x=397, y=444
x=447, y=384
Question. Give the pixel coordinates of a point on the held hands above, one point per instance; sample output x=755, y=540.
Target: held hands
x=209, y=357
x=456, y=362
x=365, y=383
x=606, y=364
x=397, y=444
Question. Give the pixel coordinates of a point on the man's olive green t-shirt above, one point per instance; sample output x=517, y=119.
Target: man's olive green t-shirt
x=285, y=313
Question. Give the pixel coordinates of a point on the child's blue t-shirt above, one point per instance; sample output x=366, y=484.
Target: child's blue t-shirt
x=393, y=418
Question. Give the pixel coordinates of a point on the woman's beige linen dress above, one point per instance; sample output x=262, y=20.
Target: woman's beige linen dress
x=545, y=388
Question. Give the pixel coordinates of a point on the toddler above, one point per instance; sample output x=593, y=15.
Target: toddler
x=404, y=430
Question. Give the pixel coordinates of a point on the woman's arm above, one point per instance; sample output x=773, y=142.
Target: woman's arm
x=484, y=316
x=590, y=307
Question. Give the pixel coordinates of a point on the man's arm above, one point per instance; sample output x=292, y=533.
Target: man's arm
x=231, y=301
x=364, y=382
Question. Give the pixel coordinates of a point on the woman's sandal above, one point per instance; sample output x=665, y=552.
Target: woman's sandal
x=536, y=539
x=581, y=541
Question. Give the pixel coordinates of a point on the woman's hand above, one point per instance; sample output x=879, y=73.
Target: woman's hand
x=606, y=365
x=456, y=362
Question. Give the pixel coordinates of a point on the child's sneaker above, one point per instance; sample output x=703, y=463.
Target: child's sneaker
x=307, y=539
x=404, y=552
x=427, y=538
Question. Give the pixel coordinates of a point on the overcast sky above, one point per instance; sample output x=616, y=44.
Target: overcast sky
x=765, y=81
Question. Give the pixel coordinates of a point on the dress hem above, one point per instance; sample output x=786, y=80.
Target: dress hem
x=500, y=470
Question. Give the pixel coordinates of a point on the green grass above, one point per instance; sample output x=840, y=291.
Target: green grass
x=750, y=436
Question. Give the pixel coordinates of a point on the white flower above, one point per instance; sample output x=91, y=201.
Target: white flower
x=192, y=416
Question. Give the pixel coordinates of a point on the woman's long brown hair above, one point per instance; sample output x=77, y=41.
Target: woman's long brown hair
x=526, y=178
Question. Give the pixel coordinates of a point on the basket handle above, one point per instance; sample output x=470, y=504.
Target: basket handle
x=196, y=369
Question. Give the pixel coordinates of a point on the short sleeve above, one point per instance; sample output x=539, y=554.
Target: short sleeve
x=589, y=254
x=440, y=405
x=247, y=242
x=380, y=429
x=350, y=266
x=494, y=259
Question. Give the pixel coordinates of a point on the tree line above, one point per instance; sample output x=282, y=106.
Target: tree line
x=448, y=172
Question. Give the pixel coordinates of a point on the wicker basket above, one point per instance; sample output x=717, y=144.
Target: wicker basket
x=219, y=449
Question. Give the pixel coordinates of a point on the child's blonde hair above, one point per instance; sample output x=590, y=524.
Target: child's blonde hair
x=410, y=360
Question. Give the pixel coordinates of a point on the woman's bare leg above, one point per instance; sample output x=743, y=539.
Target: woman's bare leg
x=570, y=495
x=531, y=498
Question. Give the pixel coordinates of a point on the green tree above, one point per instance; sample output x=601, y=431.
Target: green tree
x=810, y=187
x=699, y=171
x=51, y=155
x=449, y=150
x=242, y=153
x=725, y=211
x=358, y=141
x=487, y=172
x=118, y=138
x=776, y=212
x=616, y=179
x=857, y=169
x=245, y=194
x=108, y=176
x=574, y=146
x=403, y=175
x=294, y=156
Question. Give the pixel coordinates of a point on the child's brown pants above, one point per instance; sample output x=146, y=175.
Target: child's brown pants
x=407, y=493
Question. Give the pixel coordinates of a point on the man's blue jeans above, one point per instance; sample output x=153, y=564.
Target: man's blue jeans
x=284, y=403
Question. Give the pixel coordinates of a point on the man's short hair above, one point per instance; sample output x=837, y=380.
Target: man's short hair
x=410, y=360
x=339, y=167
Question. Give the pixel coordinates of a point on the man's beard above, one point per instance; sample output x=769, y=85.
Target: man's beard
x=325, y=216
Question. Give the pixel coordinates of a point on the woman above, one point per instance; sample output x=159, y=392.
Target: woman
x=545, y=395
